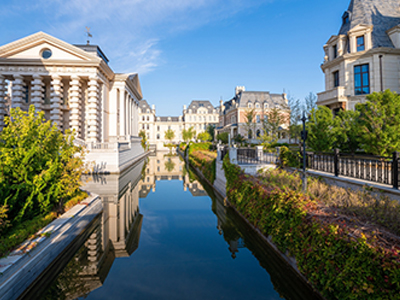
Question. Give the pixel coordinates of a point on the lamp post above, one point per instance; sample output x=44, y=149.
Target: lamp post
x=304, y=138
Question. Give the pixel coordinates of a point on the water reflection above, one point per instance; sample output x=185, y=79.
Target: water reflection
x=182, y=254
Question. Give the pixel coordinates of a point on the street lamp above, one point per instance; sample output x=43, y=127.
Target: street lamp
x=304, y=138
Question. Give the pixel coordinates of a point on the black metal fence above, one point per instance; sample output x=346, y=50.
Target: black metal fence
x=255, y=156
x=378, y=169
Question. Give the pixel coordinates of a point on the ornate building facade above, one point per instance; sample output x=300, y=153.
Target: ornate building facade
x=232, y=114
x=198, y=115
x=76, y=89
x=365, y=55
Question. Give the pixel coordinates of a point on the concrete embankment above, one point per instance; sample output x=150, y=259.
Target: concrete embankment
x=26, y=264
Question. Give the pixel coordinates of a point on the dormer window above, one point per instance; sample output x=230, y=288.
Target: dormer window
x=335, y=53
x=360, y=43
x=249, y=105
x=346, y=18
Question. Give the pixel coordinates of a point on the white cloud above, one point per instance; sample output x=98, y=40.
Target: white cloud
x=127, y=30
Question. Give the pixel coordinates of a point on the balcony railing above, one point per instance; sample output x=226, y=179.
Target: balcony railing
x=335, y=95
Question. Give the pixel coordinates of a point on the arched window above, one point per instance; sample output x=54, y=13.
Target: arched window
x=258, y=132
x=257, y=105
x=148, y=118
x=148, y=127
x=158, y=136
x=143, y=118
x=249, y=105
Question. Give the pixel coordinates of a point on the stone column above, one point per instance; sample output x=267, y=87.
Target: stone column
x=93, y=109
x=122, y=113
x=56, y=101
x=3, y=88
x=37, y=92
x=17, y=91
x=75, y=105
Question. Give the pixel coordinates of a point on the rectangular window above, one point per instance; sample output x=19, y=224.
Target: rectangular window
x=334, y=51
x=336, y=81
x=361, y=80
x=360, y=43
x=158, y=128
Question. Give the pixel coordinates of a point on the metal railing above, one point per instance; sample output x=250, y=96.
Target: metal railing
x=377, y=169
x=255, y=156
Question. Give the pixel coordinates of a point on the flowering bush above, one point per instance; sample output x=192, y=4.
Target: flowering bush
x=205, y=162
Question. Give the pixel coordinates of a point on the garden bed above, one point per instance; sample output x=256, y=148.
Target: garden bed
x=343, y=256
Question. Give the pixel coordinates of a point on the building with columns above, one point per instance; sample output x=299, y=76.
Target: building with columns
x=364, y=56
x=76, y=89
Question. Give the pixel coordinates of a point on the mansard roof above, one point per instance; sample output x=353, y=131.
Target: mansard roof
x=196, y=104
x=169, y=119
x=382, y=14
x=243, y=98
x=143, y=105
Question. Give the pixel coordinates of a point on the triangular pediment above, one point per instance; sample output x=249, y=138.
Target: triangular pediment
x=32, y=47
x=361, y=27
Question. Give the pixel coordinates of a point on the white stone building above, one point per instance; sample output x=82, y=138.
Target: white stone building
x=198, y=115
x=77, y=90
x=365, y=56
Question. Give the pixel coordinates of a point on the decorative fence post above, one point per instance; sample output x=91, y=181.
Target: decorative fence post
x=260, y=153
x=336, y=162
x=233, y=155
x=395, y=170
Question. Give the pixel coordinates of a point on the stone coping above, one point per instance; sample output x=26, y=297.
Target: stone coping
x=21, y=268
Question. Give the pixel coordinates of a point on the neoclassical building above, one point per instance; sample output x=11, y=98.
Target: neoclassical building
x=232, y=113
x=198, y=115
x=77, y=90
x=364, y=57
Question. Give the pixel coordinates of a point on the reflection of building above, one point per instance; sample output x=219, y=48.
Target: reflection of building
x=160, y=167
x=363, y=57
x=198, y=115
x=76, y=89
x=118, y=231
x=232, y=115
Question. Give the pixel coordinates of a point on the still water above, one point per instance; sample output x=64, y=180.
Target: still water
x=165, y=235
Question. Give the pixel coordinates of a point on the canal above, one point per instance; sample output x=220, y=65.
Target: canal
x=163, y=234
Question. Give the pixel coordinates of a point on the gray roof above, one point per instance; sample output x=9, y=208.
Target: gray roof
x=94, y=49
x=382, y=14
x=196, y=104
x=272, y=100
x=143, y=105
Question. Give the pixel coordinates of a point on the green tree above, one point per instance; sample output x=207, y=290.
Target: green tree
x=188, y=134
x=296, y=110
x=169, y=135
x=210, y=129
x=347, y=129
x=380, y=123
x=169, y=165
x=204, y=136
x=223, y=137
x=143, y=135
x=319, y=127
x=272, y=125
x=40, y=167
x=310, y=103
x=250, y=125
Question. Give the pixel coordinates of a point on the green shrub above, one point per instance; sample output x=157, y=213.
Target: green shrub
x=205, y=161
x=289, y=158
x=339, y=259
x=223, y=137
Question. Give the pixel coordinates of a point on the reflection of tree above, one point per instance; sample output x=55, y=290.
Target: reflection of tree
x=146, y=161
x=169, y=165
x=69, y=282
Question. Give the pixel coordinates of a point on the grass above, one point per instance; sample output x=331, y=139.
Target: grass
x=366, y=206
x=28, y=229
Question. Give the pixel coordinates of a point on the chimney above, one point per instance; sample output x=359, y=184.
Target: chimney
x=239, y=89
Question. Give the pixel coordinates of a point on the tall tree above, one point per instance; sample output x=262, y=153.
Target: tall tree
x=210, y=130
x=250, y=125
x=169, y=135
x=380, y=123
x=347, y=130
x=319, y=127
x=272, y=125
x=310, y=103
x=188, y=134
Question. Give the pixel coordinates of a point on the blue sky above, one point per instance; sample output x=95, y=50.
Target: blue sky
x=189, y=50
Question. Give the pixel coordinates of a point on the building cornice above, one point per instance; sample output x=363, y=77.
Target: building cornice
x=359, y=55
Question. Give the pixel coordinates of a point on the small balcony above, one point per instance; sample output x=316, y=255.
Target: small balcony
x=332, y=96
